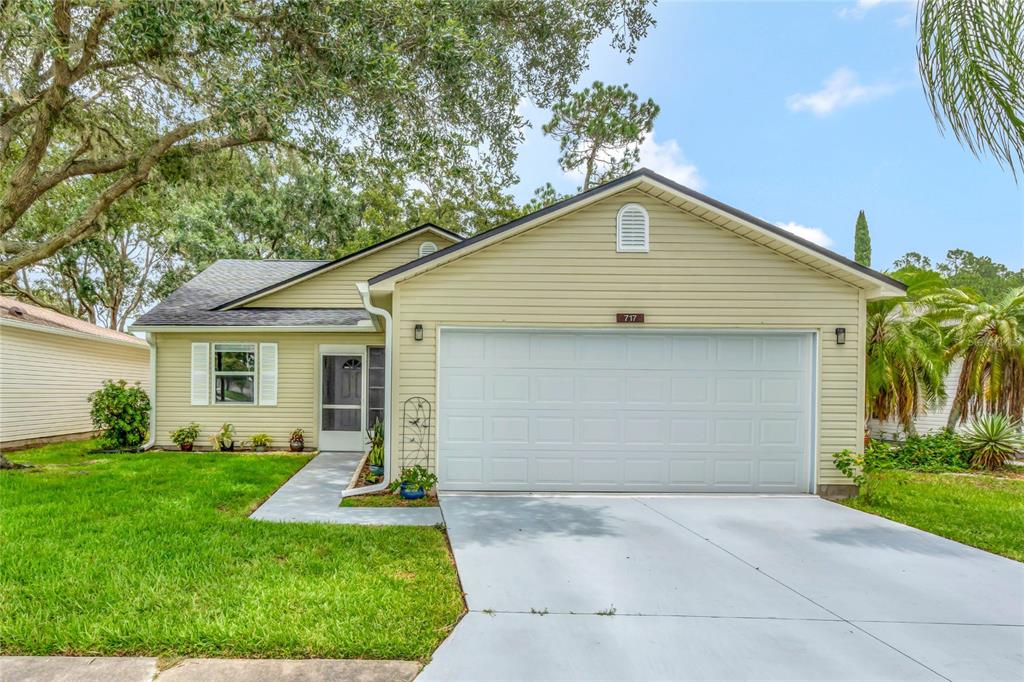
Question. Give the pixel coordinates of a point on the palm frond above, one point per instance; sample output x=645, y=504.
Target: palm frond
x=971, y=58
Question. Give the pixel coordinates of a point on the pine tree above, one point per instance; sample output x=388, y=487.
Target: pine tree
x=862, y=241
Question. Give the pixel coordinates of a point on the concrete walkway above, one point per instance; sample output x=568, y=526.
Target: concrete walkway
x=137, y=669
x=620, y=587
x=313, y=494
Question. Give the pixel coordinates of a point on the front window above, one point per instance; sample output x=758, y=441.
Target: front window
x=234, y=372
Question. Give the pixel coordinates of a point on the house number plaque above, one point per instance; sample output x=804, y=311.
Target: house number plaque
x=629, y=318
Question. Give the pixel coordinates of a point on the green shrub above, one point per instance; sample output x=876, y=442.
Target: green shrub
x=942, y=451
x=122, y=413
x=992, y=439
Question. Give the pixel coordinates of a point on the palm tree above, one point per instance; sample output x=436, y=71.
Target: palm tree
x=906, y=359
x=989, y=338
x=971, y=57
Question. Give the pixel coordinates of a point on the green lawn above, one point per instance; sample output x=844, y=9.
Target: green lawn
x=981, y=510
x=153, y=554
x=387, y=500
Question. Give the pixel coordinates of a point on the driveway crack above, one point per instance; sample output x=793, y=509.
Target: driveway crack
x=788, y=587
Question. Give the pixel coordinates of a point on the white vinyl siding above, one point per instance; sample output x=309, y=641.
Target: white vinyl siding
x=568, y=274
x=46, y=380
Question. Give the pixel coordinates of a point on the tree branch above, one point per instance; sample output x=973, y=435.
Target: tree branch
x=88, y=222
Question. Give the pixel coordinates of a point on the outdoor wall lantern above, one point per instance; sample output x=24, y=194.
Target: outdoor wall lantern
x=840, y=335
x=417, y=332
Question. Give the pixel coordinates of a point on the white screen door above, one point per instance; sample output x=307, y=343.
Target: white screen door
x=341, y=402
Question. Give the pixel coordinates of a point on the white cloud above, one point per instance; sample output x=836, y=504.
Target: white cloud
x=859, y=9
x=840, y=90
x=665, y=158
x=862, y=7
x=811, y=234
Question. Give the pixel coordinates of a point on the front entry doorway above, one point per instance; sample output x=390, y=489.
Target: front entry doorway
x=342, y=399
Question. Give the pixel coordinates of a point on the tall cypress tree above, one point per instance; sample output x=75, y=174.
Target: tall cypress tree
x=862, y=241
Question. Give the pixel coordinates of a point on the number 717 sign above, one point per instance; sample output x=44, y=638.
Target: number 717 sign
x=629, y=318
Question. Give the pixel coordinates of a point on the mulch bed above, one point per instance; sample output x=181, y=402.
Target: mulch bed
x=383, y=499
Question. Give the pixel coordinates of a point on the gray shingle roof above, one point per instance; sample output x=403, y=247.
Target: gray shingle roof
x=226, y=280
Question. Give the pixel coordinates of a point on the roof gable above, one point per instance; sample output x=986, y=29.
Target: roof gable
x=715, y=212
x=427, y=230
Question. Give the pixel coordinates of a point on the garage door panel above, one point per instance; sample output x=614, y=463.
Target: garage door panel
x=624, y=412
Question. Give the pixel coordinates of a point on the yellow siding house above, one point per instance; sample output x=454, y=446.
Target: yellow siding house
x=637, y=337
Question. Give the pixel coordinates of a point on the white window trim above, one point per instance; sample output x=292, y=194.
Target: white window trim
x=214, y=374
x=424, y=245
x=618, y=230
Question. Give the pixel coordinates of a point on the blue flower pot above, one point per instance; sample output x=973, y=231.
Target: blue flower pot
x=411, y=493
x=377, y=470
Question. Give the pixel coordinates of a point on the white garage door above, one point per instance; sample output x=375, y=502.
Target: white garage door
x=610, y=411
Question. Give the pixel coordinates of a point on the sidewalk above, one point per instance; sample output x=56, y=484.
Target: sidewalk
x=137, y=669
x=314, y=493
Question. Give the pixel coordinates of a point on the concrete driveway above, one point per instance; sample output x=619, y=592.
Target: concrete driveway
x=698, y=587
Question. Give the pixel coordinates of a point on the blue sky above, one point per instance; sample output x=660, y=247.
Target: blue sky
x=803, y=113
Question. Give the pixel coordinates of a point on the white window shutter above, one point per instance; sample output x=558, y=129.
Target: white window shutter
x=200, y=374
x=632, y=229
x=268, y=374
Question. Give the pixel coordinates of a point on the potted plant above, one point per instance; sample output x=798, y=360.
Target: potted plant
x=260, y=441
x=296, y=441
x=376, y=442
x=186, y=436
x=224, y=440
x=414, y=483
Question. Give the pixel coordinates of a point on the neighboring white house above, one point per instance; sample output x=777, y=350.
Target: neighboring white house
x=49, y=364
x=934, y=419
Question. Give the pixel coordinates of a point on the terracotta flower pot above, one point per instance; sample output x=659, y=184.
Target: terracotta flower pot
x=296, y=445
x=186, y=447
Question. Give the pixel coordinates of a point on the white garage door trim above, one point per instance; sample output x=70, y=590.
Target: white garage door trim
x=811, y=368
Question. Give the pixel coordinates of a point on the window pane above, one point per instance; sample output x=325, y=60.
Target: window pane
x=375, y=398
x=374, y=415
x=234, y=360
x=340, y=420
x=234, y=388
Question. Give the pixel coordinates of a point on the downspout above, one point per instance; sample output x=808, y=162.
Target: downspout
x=364, y=293
x=152, y=393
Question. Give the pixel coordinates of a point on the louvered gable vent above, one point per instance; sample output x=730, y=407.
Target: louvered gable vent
x=632, y=229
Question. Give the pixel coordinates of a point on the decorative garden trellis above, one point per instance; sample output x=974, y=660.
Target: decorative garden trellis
x=417, y=432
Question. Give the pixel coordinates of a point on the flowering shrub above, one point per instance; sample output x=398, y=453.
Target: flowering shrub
x=122, y=413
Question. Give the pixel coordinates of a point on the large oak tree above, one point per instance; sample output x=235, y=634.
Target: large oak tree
x=99, y=97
